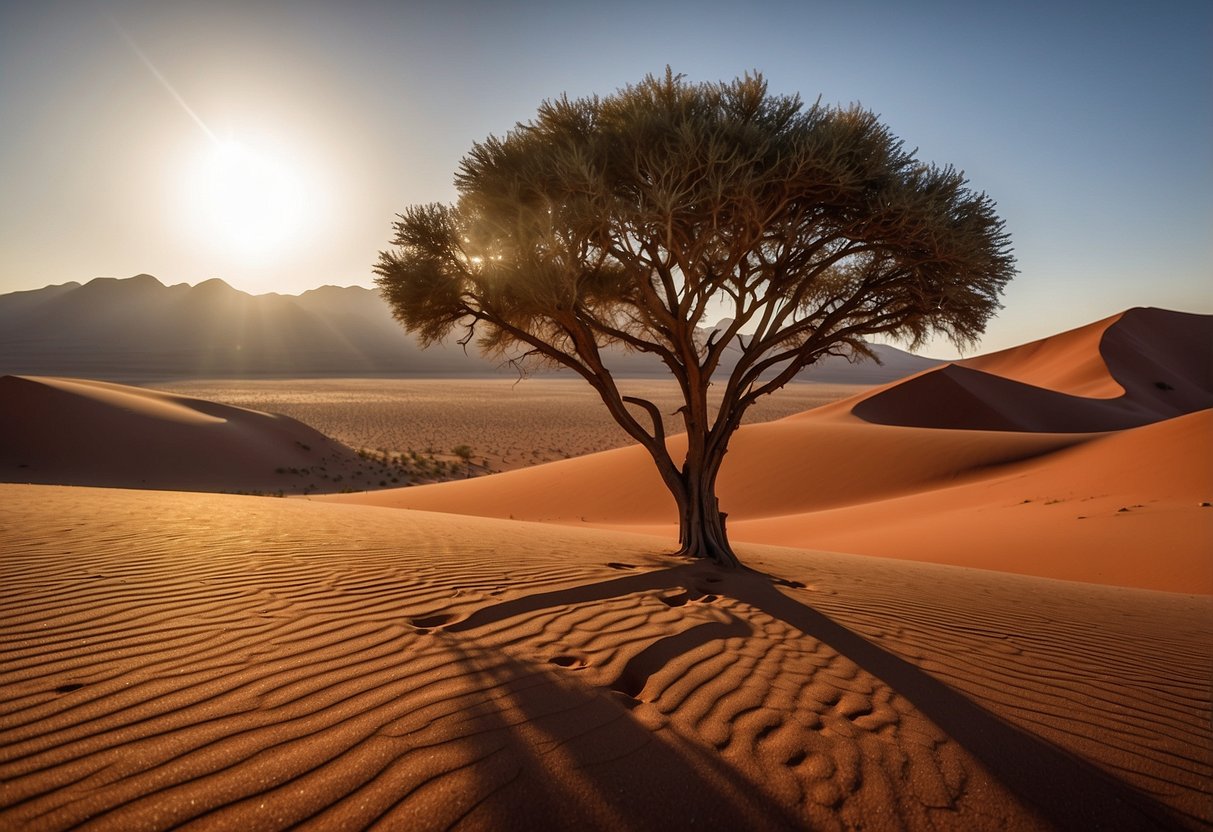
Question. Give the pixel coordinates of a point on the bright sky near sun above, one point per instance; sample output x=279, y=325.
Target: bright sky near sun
x=270, y=144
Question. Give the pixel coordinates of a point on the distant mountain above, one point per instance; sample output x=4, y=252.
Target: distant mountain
x=138, y=329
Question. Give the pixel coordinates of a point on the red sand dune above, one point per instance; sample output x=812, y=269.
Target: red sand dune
x=1155, y=364
x=971, y=442
x=1123, y=508
x=76, y=432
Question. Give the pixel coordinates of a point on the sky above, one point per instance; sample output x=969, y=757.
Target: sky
x=271, y=144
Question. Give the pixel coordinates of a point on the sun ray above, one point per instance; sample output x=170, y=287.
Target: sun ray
x=164, y=82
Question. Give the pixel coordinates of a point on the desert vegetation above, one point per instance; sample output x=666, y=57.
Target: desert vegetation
x=508, y=424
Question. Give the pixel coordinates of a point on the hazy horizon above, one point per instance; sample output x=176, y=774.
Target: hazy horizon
x=271, y=145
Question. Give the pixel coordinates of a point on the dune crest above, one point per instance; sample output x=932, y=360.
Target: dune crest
x=1135, y=368
x=1123, y=508
x=1068, y=362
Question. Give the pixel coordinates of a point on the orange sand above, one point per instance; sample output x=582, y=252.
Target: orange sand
x=238, y=662
x=76, y=432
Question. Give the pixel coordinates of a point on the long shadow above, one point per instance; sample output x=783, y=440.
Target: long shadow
x=626, y=776
x=583, y=594
x=1066, y=791
x=657, y=655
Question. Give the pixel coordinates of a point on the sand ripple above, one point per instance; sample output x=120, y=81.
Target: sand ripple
x=232, y=662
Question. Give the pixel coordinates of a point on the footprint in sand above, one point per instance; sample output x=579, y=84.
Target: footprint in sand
x=677, y=600
x=626, y=700
x=426, y=623
x=696, y=595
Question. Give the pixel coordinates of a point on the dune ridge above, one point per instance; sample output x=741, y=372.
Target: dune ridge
x=874, y=474
x=226, y=661
x=1122, y=508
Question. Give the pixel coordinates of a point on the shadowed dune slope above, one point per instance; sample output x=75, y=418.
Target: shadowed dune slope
x=236, y=662
x=829, y=479
x=74, y=432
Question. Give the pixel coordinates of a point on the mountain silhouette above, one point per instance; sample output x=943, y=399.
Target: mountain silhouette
x=140, y=329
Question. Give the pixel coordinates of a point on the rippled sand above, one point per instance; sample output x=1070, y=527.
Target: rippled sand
x=244, y=663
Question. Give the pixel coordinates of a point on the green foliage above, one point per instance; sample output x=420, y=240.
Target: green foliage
x=617, y=218
x=626, y=220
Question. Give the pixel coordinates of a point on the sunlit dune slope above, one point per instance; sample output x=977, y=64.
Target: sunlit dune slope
x=1069, y=362
x=67, y=431
x=776, y=468
x=247, y=663
x=1124, y=508
x=966, y=438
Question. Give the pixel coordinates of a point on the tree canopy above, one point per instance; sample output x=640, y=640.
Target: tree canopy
x=628, y=220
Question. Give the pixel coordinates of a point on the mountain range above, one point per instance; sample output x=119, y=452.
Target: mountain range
x=139, y=329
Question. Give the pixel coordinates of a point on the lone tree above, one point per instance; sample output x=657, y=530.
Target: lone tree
x=624, y=221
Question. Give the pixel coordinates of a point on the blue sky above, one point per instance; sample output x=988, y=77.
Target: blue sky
x=1090, y=124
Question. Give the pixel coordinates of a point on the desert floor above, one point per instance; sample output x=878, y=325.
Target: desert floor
x=507, y=424
x=233, y=662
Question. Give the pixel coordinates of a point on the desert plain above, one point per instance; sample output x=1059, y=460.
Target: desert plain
x=976, y=598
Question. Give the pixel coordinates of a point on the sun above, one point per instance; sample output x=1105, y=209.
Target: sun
x=247, y=200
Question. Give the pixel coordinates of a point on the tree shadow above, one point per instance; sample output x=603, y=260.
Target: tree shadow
x=1066, y=791
x=611, y=771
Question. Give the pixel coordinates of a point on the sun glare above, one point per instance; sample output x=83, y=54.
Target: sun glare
x=247, y=200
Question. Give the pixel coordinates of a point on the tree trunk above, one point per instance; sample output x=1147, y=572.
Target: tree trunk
x=701, y=523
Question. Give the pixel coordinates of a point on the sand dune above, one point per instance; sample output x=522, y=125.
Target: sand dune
x=1123, y=353
x=777, y=468
x=236, y=662
x=1156, y=364
x=1124, y=509
x=953, y=465
x=75, y=432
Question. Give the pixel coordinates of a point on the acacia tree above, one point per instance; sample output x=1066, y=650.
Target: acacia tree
x=624, y=221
